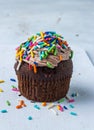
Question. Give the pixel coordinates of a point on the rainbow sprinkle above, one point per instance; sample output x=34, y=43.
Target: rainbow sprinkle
x=43, y=49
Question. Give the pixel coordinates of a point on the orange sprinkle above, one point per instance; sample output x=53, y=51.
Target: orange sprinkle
x=21, y=103
x=60, y=57
x=35, y=68
x=44, y=104
x=18, y=106
x=65, y=42
x=60, y=41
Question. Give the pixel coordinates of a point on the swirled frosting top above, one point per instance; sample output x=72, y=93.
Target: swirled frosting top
x=44, y=49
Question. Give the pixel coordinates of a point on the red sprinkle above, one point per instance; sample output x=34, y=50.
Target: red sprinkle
x=71, y=100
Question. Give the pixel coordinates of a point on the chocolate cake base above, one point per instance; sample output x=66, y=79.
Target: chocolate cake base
x=47, y=84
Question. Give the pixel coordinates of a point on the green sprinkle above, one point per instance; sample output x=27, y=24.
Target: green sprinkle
x=46, y=54
x=57, y=35
x=53, y=41
x=51, y=48
x=71, y=56
x=13, y=86
x=55, y=51
x=30, y=38
x=8, y=103
x=49, y=65
x=41, y=46
x=61, y=100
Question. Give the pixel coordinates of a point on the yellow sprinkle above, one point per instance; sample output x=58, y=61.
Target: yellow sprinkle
x=32, y=54
x=42, y=35
x=1, y=90
x=21, y=58
x=58, y=107
x=35, y=37
x=21, y=52
x=35, y=68
x=2, y=81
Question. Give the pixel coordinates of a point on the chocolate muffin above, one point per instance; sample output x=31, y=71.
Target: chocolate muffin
x=44, y=67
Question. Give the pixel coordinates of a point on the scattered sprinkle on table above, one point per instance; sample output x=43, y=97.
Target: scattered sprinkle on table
x=29, y=118
x=74, y=94
x=19, y=95
x=1, y=90
x=51, y=105
x=8, y=103
x=13, y=86
x=73, y=113
x=61, y=100
x=71, y=100
x=4, y=111
x=71, y=106
x=22, y=103
x=18, y=106
x=2, y=81
x=65, y=107
x=37, y=107
x=44, y=103
x=59, y=107
x=15, y=89
x=11, y=79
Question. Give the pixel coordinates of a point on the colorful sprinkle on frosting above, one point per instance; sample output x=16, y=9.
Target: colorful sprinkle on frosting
x=43, y=49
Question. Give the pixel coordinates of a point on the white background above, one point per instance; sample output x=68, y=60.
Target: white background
x=74, y=19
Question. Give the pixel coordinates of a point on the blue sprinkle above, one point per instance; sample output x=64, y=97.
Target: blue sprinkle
x=3, y=111
x=47, y=36
x=50, y=32
x=29, y=118
x=35, y=63
x=27, y=44
x=73, y=113
x=65, y=108
x=13, y=80
x=37, y=107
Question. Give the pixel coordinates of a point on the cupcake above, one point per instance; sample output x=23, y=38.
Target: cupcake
x=44, y=67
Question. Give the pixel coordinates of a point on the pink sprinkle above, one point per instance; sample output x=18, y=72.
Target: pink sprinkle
x=17, y=48
x=15, y=89
x=58, y=46
x=71, y=100
x=31, y=43
x=61, y=108
x=28, y=57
